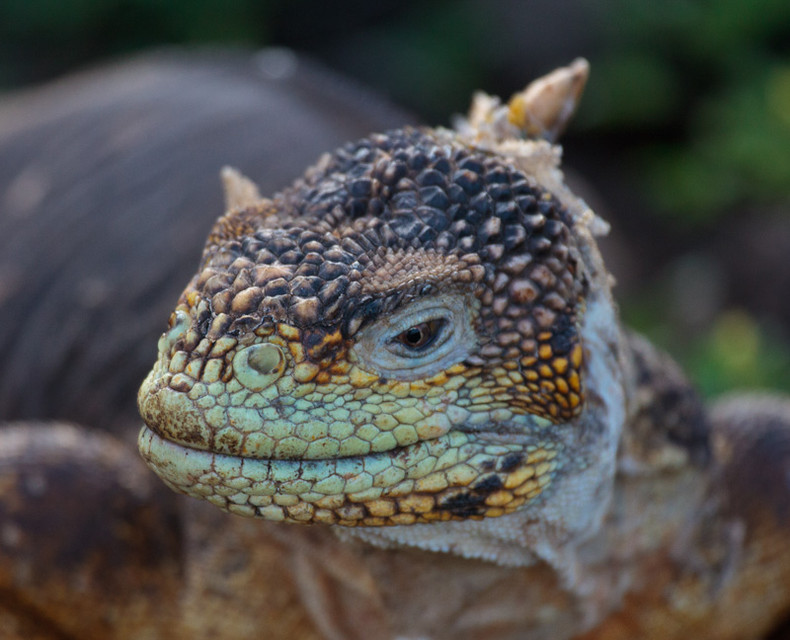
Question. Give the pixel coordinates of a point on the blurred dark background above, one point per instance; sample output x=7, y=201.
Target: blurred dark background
x=682, y=140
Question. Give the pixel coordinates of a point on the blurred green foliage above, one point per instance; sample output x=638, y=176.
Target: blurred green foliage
x=711, y=81
x=41, y=38
x=737, y=351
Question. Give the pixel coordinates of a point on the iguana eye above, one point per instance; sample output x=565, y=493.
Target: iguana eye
x=421, y=339
x=422, y=335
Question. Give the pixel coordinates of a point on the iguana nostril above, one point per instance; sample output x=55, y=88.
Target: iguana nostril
x=258, y=366
x=178, y=329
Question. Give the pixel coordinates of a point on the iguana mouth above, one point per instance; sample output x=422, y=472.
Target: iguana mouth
x=448, y=477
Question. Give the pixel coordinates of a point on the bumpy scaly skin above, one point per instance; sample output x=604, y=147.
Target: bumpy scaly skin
x=259, y=368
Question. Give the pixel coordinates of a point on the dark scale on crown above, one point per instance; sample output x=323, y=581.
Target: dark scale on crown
x=409, y=189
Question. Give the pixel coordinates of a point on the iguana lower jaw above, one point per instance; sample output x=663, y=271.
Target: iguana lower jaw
x=422, y=482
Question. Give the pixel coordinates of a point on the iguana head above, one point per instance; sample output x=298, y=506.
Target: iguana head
x=397, y=338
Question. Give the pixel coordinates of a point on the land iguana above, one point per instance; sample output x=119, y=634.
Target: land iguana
x=415, y=349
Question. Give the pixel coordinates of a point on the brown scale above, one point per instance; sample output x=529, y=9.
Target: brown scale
x=365, y=220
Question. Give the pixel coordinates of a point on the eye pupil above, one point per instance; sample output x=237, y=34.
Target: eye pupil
x=421, y=335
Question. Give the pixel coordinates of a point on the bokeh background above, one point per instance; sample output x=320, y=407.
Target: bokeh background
x=682, y=140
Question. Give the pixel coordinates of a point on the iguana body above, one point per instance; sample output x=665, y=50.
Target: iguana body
x=415, y=348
